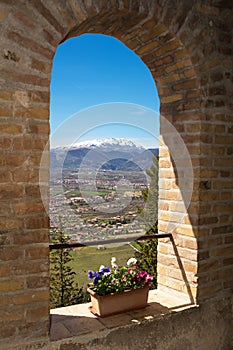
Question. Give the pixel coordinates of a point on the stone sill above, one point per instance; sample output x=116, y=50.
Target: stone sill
x=77, y=320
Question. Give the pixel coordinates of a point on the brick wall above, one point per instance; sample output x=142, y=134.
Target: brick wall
x=187, y=45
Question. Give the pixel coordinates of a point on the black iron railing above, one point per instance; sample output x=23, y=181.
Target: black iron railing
x=107, y=241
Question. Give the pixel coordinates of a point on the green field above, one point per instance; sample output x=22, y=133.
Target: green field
x=90, y=258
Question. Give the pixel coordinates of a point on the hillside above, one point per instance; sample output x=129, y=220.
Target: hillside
x=107, y=154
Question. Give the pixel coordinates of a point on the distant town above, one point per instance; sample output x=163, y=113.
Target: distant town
x=96, y=190
x=75, y=211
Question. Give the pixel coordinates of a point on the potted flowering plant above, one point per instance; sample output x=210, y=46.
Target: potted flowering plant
x=118, y=289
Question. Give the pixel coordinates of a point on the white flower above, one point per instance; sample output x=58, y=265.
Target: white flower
x=113, y=263
x=131, y=262
x=101, y=267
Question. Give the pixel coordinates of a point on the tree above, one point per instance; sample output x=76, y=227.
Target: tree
x=63, y=290
x=147, y=250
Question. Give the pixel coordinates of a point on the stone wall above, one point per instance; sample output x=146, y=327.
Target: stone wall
x=187, y=45
x=191, y=329
x=206, y=327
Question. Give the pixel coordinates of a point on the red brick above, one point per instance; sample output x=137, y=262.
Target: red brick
x=209, y=10
x=25, y=78
x=188, y=254
x=12, y=160
x=33, y=314
x=5, y=176
x=171, y=98
x=133, y=44
x=5, y=301
x=23, y=208
x=7, y=94
x=164, y=163
x=35, y=282
x=185, y=85
x=11, y=253
x=190, y=267
x=39, y=96
x=39, y=128
x=30, y=297
x=5, y=111
x=169, y=79
x=210, y=289
x=41, y=66
x=228, y=262
x=3, y=14
x=23, y=18
x=5, y=142
x=4, y=271
x=170, y=195
x=188, y=106
x=164, y=61
x=37, y=252
x=29, y=143
x=11, y=224
x=190, y=73
x=222, y=251
x=38, y=113
x=12, y=315
x=33, y=190
x=37, y=222
x=178, y=65
x=149, y=47
x=26, y=175
x=153, y=31
x=48, y=15
x=11, y=128
x=194, y=94
x=31, y=44
x=190, y=243
x=170, y=46
x=185, y=230
x=11, y=285
x=24, y=269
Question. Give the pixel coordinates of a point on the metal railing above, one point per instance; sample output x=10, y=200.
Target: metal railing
x=108, y=241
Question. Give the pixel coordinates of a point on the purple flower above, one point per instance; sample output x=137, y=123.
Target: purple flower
x=91, y=274
x=98, y=277
x=105, y=280
x=105, y=270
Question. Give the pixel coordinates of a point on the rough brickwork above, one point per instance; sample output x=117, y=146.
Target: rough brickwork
x=187, y=46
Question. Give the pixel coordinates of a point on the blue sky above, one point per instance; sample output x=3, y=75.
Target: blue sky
x=99, y=89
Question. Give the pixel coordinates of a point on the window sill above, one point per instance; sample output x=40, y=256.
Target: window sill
x=77, y=320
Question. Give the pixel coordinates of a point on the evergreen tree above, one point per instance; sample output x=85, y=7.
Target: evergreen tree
x=147, y=250
x=63, y=290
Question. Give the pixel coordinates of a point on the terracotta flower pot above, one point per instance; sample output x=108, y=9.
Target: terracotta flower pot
x=115, y=303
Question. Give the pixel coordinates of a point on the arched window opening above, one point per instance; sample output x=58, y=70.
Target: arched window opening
x=104, y=161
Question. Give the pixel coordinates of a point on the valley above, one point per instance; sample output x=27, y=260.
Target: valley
x=96, y=193
x=95, y=213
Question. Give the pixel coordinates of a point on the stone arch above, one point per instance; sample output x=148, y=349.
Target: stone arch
x=177, y=82
x=173, y=39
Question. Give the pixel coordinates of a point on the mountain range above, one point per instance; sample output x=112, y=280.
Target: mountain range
x=108, y=154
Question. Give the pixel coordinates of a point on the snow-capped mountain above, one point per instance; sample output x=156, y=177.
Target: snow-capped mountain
x=113, y=144
x=115, y=154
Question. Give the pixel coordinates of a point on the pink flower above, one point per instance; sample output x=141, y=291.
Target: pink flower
x=143, y=276
x=149, y=278
x=131, y=269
